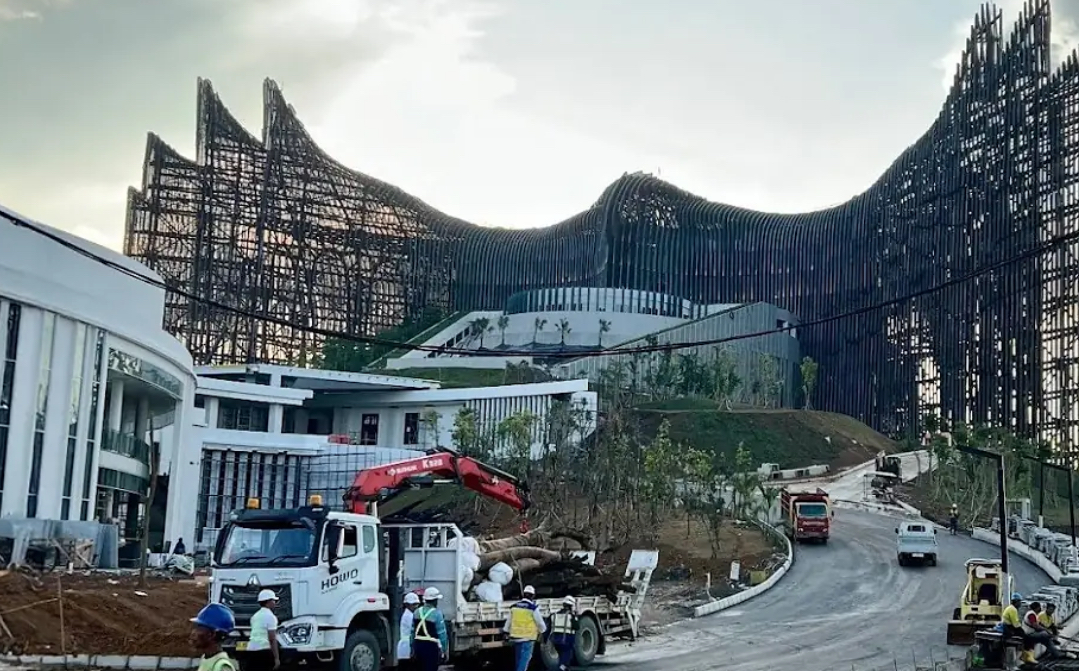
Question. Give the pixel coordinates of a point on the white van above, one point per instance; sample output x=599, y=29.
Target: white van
x=916, y=543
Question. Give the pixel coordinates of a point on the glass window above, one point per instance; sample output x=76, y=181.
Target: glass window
x=369, y=541
x=369, y=429
x=412, y=428
x=10, y=336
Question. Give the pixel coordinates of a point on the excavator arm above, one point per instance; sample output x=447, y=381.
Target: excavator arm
x=444, y=466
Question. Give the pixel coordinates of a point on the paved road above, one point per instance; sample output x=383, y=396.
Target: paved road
x=844, y=605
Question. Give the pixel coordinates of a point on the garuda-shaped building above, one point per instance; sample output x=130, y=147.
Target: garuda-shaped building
x=949, y=286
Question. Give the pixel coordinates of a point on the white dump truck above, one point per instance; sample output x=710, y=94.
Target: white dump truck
x=340, y=579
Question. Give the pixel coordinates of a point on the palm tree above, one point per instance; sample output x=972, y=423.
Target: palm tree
x=503, y=324
x=483, y=325
x=604, y=327
x=563, y=329
x=537, y=326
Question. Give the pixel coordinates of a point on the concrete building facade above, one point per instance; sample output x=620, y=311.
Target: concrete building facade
x=89, y=381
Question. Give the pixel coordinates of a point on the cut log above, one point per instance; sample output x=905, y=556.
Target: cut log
x=534, y=538
x=515, y=554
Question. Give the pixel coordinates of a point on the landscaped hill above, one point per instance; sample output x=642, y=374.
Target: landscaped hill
x=790, y=438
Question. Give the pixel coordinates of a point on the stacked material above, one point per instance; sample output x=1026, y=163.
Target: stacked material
x=542, y=559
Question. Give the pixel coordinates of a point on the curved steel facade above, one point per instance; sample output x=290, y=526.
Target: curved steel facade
x=274, y=226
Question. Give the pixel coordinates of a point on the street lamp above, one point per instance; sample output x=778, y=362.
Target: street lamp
x=1001, y=508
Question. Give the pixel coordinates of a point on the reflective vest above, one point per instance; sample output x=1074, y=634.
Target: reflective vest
x=423, y=616
x=562, y=624
x=523, y=622
x=1029, y=620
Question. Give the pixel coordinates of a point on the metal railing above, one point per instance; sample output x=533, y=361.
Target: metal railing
x=125, y=444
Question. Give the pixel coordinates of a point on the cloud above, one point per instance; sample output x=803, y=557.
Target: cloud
x=1063, y=41
x=26, y=10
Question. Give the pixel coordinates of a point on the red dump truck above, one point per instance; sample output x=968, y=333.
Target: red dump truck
x=807, y=516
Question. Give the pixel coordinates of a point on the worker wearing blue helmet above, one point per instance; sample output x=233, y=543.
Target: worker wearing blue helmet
x=1009, y=617
x=212, y=625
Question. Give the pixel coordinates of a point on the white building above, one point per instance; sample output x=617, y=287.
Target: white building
x=87, y=379
x=277, y=432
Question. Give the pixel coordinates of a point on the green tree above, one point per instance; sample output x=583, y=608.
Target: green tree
x=481, y=326
x=770, y=382
x=537, y=326
x=662, y=474
x=564, y=330
x=694, y=378
x=706, y=484
x=429, y=428
x=503, y=324
x=809, y=369
x=604, y=327
x=724, y=379
x=516, y=435
x=468, y=435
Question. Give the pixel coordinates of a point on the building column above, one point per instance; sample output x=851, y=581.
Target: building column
x=116, y=405
x=277, y=417
x=142, y=419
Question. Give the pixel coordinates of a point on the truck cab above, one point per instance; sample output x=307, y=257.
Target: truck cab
x=916, y=543
x=329, y=572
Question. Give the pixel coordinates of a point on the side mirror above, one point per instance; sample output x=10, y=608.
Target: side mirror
x=934, y=531
x=333, y=545
x=897, y=529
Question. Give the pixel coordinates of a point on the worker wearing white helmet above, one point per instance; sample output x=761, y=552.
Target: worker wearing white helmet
x=404, y=642
x=263, y=649
x=430, y=644
x=524, y=626
x=564, y=632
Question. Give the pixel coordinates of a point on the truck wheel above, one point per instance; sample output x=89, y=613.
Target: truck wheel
x=586, y=643
x=361, y=652
x=932, y=560
x=902, y=560
x=824, y=541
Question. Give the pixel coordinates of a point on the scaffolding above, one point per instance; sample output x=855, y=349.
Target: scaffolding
x=274, y=227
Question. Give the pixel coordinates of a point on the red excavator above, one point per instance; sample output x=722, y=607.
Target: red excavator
x=441, y=466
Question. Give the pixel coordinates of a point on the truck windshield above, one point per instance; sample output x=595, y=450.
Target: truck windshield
x=812, y=510
x=284, y=543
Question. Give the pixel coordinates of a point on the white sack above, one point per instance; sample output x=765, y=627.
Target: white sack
x=464, y=578
x=471, y=560
x=489, y=592
x=500, y=573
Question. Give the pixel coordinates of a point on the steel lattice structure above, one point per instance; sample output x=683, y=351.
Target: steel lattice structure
x=277, y=227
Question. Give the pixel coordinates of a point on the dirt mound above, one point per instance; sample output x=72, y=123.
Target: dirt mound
x=102, y=614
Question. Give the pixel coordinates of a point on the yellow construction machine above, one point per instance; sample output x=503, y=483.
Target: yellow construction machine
x=982, y=601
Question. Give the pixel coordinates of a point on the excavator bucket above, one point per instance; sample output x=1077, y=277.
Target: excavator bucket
x=961, y=632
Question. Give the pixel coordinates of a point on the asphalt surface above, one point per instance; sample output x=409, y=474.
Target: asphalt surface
x=843, y=606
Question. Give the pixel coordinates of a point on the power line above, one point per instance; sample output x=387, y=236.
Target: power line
x=1049, y=245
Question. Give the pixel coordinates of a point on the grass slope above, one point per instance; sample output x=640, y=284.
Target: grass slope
x=790, y=438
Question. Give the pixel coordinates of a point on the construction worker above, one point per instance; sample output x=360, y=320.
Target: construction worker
x=430, y=644
x=262, y=646
x=1036, y=633
x=1009, y=617
x=524, y=626
x=213, y=623
x=953, y=520
x=1048, y=619
x=404, y=643
x=564, y=632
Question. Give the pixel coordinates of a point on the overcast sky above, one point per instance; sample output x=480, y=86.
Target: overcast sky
x=504, y=112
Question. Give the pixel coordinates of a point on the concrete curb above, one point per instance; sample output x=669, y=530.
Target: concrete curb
x=1016, y=547
x=140, y=662
x=746, y=595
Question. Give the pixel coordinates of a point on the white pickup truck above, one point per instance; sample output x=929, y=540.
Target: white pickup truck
x=916, y=543
x=341, y=577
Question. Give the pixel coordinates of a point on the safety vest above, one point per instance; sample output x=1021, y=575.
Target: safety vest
x=523, y=622
x=1029, y=620
x=562, y=624
x=423, y=613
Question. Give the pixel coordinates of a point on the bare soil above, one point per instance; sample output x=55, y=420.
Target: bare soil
x=102, y=614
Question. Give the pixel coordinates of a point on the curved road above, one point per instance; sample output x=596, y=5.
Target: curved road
x=844, y=605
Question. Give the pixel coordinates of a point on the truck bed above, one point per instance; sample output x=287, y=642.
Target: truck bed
x=478, y=611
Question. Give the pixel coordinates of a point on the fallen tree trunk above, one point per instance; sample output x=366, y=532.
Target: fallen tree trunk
x=535, y=538
x=515, y=554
